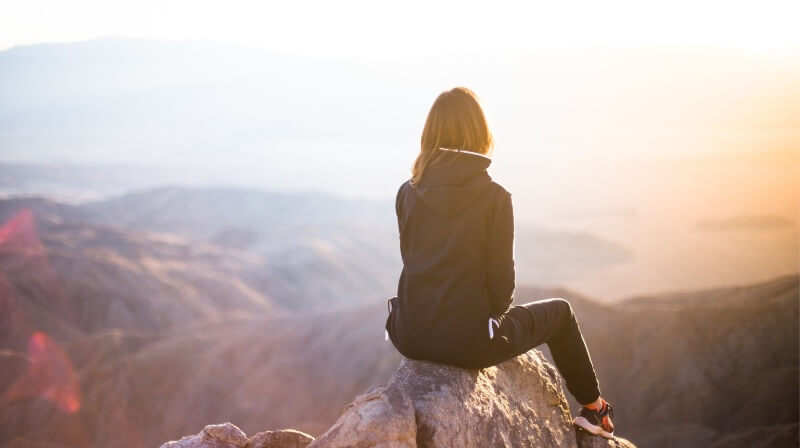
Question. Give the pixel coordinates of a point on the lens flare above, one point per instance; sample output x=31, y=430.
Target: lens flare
x=50, y=375
x=20, y=230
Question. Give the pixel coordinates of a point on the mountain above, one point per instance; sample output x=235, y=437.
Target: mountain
x=124, y=336
x=721, y=364
x=276, y=237
x=349, y=245
x=347, y=241
x=95, y=318
x=292, y=371
x=346, y=245
x=716, y=367
x=68, y=278
x=76, y=183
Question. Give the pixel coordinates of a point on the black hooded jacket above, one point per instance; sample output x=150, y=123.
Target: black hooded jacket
x=457, y=245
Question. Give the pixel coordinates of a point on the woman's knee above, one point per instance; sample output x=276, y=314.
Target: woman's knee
x=563, y=303
x=565, y=308
x=556, y=307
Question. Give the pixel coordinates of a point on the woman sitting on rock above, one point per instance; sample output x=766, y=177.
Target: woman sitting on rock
x=454, y=296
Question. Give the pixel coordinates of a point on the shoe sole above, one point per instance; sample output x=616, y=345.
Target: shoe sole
x=593, y=429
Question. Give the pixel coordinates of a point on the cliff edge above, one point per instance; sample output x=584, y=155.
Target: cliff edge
x=517, y=403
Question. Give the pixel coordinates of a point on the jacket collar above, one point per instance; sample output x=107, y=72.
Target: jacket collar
x=450, y=185
x=464, y=151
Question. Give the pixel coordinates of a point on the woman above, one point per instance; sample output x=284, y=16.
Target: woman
x=457, y=244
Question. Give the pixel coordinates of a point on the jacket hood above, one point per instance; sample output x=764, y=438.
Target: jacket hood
x=450, y=186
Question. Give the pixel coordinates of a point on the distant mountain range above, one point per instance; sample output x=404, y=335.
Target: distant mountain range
x=716, y=367
x=351, y=247
x=155, y=328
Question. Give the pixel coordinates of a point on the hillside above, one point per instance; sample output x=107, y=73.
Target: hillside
x=348, y=245
x=68, y=278
x=722, y=364
x=113, y=336
x=274, y=237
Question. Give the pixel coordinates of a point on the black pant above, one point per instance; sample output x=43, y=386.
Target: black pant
x=523, y=327
x=551, y=322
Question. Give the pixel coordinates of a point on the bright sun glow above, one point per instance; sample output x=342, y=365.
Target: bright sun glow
x=377, y=29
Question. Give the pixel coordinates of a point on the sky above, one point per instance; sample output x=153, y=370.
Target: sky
x=373, y=29
x=591, y=139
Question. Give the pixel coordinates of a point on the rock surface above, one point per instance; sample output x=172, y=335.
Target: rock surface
x=227, y=435
x=287, y=438
x=517, y=403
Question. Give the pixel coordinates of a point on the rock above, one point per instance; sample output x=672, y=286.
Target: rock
x=382, y=417
x=228, y=435
x=517, y=403
x=586, y=440
x=225, y=435
x=287, y=438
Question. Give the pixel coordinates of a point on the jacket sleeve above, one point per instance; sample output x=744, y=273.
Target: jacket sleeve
x=398, y=206
x=500, y=256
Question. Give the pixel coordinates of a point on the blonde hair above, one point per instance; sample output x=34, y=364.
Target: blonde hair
x=456, y=120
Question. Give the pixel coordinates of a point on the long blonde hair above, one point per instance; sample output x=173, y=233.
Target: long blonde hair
x=456, y=120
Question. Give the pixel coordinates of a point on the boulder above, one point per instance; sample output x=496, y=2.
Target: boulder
x=228, y=435
x=517, y=403
x=225, y=435
x=287, y=438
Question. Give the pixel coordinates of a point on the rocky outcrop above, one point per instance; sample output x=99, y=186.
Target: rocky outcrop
x=517, y=403
x=228, y=435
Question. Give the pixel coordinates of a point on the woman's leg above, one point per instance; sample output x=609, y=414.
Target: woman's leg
x=553, y=322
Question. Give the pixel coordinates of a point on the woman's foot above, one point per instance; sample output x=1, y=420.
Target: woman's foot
x=596, y=420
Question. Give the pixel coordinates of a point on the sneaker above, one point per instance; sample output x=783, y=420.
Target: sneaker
x=596, y=422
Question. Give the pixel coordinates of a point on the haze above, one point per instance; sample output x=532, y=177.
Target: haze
x=678, y=143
